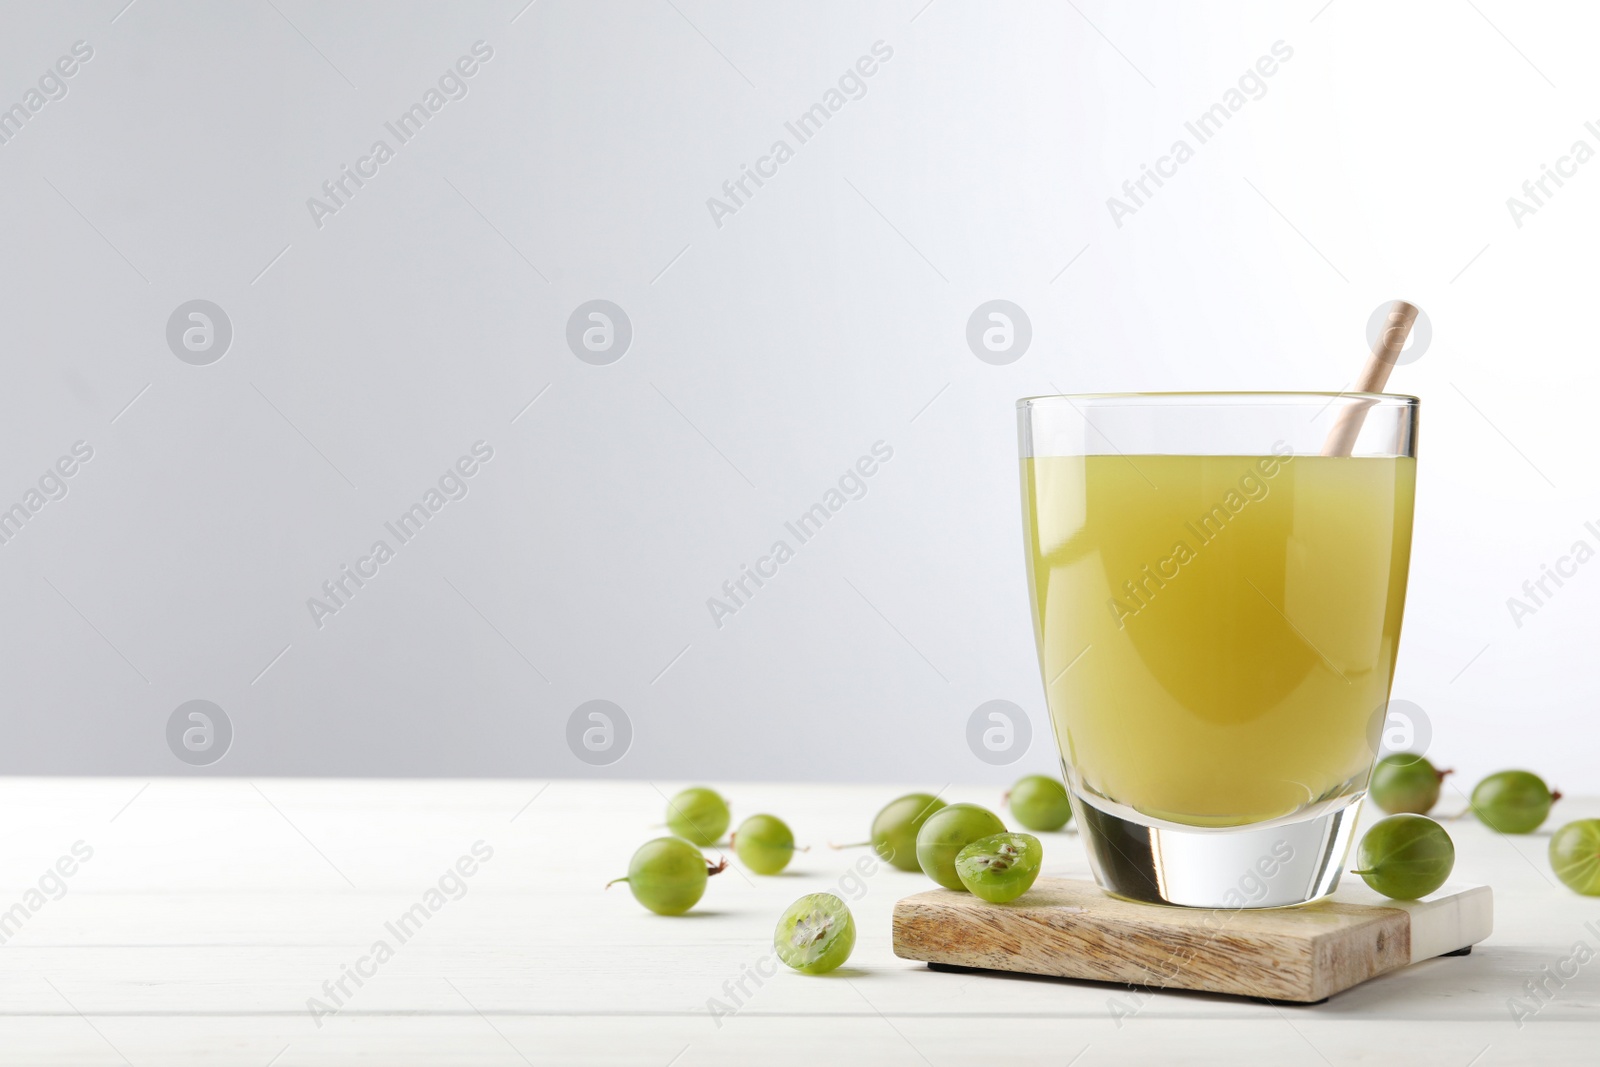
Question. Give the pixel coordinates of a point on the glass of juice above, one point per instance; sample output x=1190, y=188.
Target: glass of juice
x=1217, y=606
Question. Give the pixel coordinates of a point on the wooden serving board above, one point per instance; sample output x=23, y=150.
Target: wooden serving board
x=1072, y=929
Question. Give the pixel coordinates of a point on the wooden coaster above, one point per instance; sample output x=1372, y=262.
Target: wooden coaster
x=1072, y=929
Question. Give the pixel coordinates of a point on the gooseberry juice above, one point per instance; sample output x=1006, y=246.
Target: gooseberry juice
x=1217, y=633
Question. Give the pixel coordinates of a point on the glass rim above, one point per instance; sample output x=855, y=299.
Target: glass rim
x=1286, y=396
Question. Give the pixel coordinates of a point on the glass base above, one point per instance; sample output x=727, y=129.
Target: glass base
x=1277, y=864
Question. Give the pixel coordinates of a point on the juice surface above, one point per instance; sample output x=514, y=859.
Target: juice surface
x=1216, y=633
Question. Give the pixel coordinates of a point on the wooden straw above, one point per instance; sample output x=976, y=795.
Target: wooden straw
x=1397, y=327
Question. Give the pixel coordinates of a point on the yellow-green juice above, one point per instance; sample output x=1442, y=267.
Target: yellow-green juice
x=1217, y=633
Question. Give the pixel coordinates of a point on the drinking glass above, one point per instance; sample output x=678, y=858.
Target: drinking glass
x=1217, y=590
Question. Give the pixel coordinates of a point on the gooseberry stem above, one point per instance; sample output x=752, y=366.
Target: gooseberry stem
x=711, y=868
x=614, y=881
x=1360, y=872
x=853, y=844
x=1555, y=795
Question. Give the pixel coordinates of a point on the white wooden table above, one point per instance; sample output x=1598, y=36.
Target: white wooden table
x=213, y=910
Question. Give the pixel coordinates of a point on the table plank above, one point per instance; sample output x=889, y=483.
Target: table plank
x=213, y=909
x=470, y=1040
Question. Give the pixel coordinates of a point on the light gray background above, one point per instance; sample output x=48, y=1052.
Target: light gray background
x=769, y=354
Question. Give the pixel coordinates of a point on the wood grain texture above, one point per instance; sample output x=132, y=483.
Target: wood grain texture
x=1070, y=929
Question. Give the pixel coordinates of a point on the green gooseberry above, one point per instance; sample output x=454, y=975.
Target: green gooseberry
x=1403, y=782
x=1513, y=802
x=1000, y=868
x=668, y=875
x=764, y=843
x=816, y=934
x=699, y=815
x=894, y=829
x=1575, y=856
x=1040, y=802
x=946, y=832
x=1406, y=856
